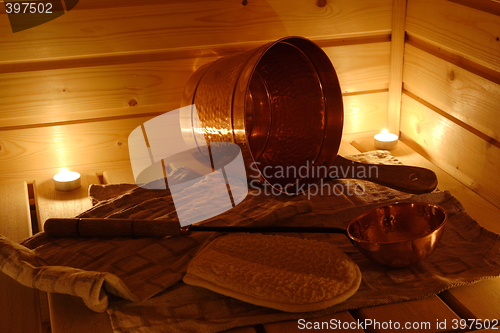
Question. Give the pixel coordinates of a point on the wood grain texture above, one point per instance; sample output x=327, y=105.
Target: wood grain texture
x=52, y=203
x=81, y=94
x=119, y=176
x=66, y=145
x=396, y=75
x=462, y=154
x=423, y=312
x=464, y=301
x=490, y=6
x=464, y=95
x=68, y=314
x=361, y=67
x=20, y=305
x=473, y=34
x=365, y=112
x=188, y=24
x=86, y=93
x=15, y=220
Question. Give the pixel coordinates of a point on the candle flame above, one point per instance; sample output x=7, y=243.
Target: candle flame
x=385, y=131
x=63, y=170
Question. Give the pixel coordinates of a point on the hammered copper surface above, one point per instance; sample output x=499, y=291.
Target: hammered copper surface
x=281, y=103
x=400, y=234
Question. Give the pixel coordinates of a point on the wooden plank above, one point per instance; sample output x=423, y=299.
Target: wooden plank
x=464, y=95
x=20, y=305
x=164, y=25
x=477, y=301
x=322, y=324
x=15, y=220
x=421, y=315
x=446, y=144
x=471, y=33
x=68, y=314
x=490, y=6
x=66, y=145
x=396, y=76
x=480, y=209
x=347, y=149
x=365, y=112
x=52, y=203
x=361, y=67
x=94, y=92
x=119, y=176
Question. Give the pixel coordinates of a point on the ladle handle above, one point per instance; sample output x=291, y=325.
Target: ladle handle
x=404, y=178
x=101, y=227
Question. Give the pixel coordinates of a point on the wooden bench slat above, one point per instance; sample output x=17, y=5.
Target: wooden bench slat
x=123, y=176
x=15, y=220
x=52, y=203
x=424, y=313
x=70, y=315
x=477, y=301
x=20, y=305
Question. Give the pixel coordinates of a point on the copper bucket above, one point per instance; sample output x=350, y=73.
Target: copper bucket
x=281, y=103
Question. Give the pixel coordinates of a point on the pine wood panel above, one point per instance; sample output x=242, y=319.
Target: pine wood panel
x=397, y=52
x=94, y=92
x=15, y=221
x=66, y=145
x=166, y=25
x=464, y=95
x=490, y=6
x=472, y=33
x=79, y=94
x=365, y=112
x=361, y=67
x=462, y=154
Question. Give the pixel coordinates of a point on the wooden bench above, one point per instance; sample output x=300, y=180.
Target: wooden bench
x=27, y=310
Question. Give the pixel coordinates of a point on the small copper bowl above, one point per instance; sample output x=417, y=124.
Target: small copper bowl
x=400, y=234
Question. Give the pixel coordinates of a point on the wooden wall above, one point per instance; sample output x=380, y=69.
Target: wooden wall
x=71, y=90
x=451, y=96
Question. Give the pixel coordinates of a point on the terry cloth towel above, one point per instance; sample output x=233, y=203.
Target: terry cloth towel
x=146, y=273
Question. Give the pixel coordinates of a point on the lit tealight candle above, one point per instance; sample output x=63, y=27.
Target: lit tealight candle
x=67, y=180
x=386, y=140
